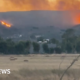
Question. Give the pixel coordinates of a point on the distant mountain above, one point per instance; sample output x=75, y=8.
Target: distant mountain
x=48, y=24
x=27, y=32
x=4, y=31
x=38, y=18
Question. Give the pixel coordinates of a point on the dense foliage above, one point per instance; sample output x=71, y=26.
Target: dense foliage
x=70, y=44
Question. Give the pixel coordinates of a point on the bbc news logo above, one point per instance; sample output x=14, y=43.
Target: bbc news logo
x=5, y=71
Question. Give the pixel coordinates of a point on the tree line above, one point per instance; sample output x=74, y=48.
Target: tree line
x=70, y=43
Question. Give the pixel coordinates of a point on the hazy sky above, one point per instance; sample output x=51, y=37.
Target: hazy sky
x=27, y=5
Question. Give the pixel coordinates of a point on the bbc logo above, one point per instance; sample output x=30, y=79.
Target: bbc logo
x=5, y=71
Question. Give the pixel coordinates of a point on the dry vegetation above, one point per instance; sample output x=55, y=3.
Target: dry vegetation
x=40, y=67
x=25, y=74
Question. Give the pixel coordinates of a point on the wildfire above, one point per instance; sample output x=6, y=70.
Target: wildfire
x=28, y=5
x=77, y=19
x=5, y=24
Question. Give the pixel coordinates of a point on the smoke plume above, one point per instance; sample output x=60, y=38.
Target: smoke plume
x=27, y=5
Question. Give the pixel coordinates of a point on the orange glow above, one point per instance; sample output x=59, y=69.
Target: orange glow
x=6, y=24
x=27, y=5
x=78, y=19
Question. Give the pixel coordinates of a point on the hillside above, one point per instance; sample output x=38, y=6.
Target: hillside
x=38, y=18
x=31, y=23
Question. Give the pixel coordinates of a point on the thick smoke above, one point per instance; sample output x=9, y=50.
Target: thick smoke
x=68, y=5
x=26, y=5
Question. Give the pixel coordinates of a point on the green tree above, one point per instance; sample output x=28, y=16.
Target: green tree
x=36, y=47
x=63, y=45
x=10, y=46
x=19, y=48
x=69, y=47
x=1, y=39
x=78, y=47
x=3, y=47
x=69, y=41
x=27, y=46
x=54, y=41
x=45, y=48
x=68, y=33
x=51, y=50
x=58, y=50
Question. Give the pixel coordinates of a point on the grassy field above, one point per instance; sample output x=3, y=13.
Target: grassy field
x=39, y=62
x=39, y=67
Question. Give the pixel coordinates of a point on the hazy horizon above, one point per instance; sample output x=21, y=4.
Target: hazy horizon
x=41, y=18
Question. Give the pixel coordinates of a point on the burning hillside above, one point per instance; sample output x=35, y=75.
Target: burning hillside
x=41, y=18
x=51, y=5
x=5, y=24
